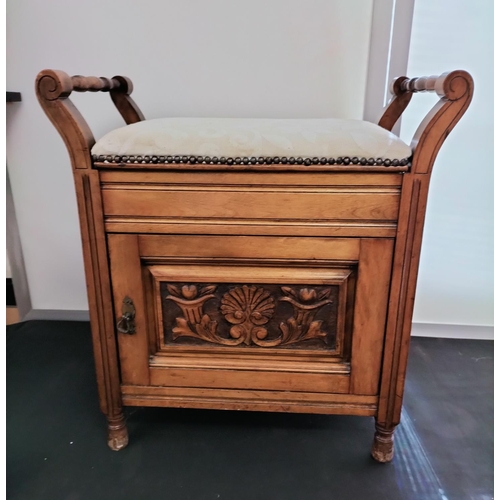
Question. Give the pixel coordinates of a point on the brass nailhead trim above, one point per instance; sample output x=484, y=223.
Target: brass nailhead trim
x=261, y=160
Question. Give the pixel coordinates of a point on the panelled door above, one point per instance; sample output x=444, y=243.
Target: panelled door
x=251, y=312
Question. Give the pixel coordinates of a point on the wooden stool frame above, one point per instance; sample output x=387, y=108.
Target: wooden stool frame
x=455, y=90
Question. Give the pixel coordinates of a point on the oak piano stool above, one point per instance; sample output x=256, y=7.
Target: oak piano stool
x=250, y=264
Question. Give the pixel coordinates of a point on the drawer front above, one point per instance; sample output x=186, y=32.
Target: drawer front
x=261, y=313
x=326, y=204
x=314, y=204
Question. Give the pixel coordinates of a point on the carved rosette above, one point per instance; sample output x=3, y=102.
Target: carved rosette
x=248, y=309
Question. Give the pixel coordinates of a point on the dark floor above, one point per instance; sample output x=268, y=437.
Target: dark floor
x=56, y=439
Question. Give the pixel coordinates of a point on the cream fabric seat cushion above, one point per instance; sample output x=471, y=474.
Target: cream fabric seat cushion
x=231, y=137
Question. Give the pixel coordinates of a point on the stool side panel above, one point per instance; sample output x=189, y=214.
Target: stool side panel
x=99, y=294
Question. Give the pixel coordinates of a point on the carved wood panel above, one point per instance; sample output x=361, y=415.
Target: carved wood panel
x=256, y=315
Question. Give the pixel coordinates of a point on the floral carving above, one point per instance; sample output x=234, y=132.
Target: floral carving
x=194, y=323
x=306, y=304
x=248, y=308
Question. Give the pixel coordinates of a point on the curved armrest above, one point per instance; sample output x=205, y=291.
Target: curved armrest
x=53, y=88
x=455, y=90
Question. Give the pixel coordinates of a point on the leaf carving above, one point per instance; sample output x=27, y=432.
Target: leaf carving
x=289, y=291
x=208, y=289
x=173, y=290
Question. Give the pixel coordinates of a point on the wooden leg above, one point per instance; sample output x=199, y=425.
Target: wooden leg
x=383, y=444
x=117, y=433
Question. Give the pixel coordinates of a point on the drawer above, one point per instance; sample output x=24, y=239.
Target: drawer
x=257, y=204
x=243, y=203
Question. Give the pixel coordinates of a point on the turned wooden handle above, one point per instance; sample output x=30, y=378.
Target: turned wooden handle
x=451, y=86
x=55, y=84
x=94, y=83
x=419, y=84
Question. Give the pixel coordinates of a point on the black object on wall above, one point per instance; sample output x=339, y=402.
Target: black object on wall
x=13, y=96
x=11, y=298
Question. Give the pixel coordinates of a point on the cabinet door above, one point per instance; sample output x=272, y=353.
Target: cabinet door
x=251, y=312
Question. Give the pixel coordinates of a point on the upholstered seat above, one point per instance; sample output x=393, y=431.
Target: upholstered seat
x=206, y=139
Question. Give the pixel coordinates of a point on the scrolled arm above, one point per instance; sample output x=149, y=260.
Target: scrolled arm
x=53, y=84
x=451, y=86
x=455, y=90
x=53, y=88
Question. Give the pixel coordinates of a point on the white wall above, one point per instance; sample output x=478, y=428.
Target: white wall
x=280, y=58
x=285, y=58
x=455, y=284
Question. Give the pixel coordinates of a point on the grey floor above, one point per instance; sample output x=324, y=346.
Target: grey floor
x=56, y=440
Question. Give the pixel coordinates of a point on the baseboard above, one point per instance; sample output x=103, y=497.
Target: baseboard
x=477, y=332
x=58, y=315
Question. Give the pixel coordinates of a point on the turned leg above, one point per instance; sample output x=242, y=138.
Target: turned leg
x=383, y=443
x=117, y=432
